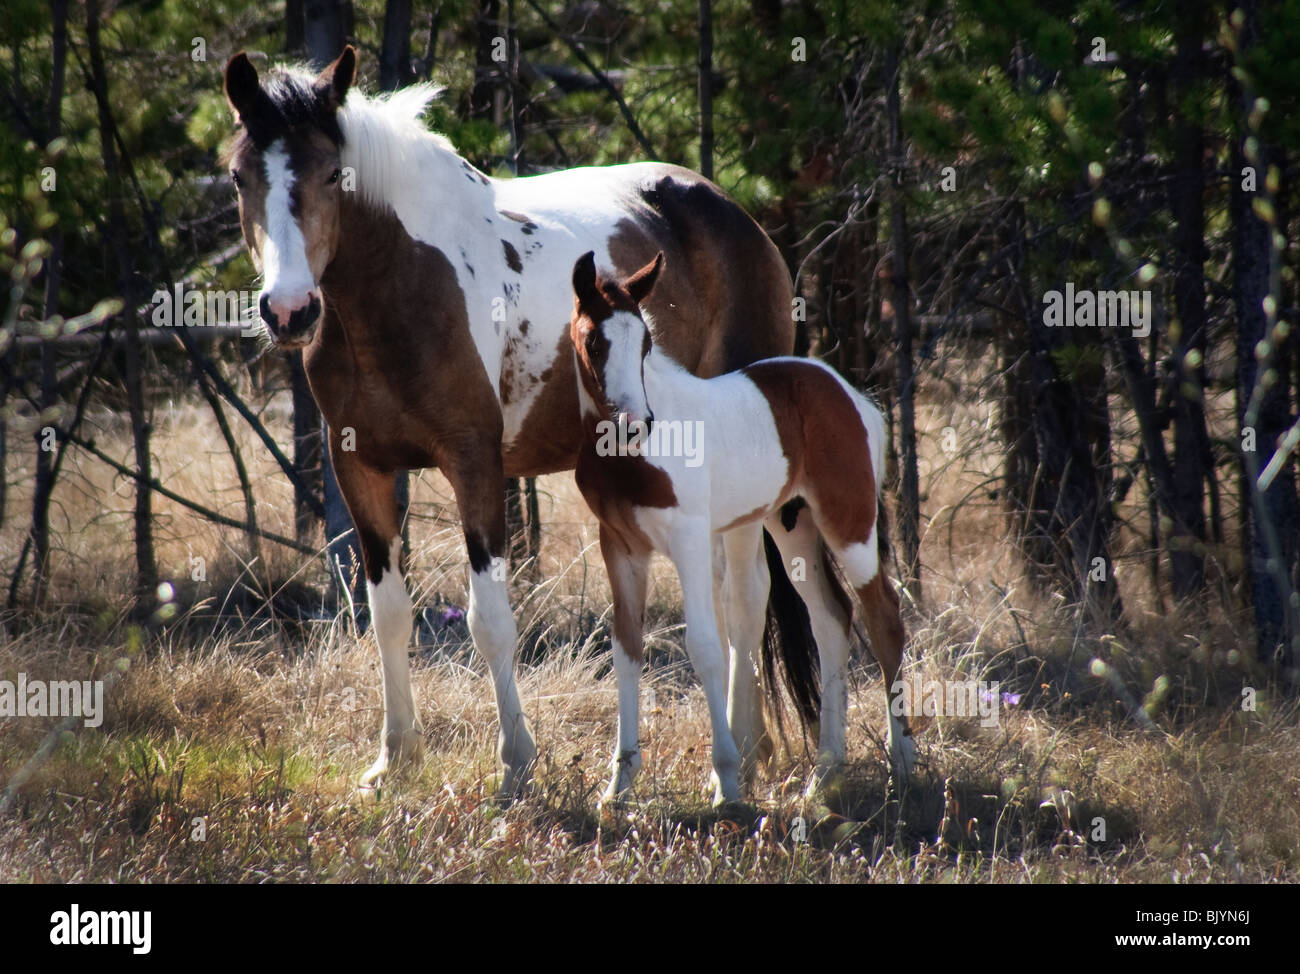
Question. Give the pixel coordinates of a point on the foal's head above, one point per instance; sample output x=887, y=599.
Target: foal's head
x=285, y=166
x=611, y=340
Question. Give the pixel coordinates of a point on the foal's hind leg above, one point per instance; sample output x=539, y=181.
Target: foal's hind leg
x=373, y=506
x=883, y=617
x=629, y=573
x=746, y=589
x=830, y=614
x=884, y=620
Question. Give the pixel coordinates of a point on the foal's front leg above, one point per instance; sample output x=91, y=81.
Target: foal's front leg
x=628, y=567
x=691, y=550
x=747, y=585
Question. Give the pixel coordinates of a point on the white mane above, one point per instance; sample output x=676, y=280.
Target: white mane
x=384, y=140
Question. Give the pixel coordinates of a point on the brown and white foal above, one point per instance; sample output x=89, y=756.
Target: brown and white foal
x=670, y=460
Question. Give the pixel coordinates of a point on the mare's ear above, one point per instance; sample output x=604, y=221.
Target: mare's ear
x=333, y=83
x=241, y=84
x=642, y=282
x=584, y=281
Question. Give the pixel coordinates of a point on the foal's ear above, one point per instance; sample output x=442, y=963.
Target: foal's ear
x=640, y=284
x=333, y=83
x=241, y=84
x=584, y=280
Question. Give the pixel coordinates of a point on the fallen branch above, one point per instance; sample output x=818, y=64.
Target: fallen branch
x=153, y=484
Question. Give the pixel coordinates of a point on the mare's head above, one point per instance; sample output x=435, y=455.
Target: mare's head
x=285, y=164
x=611, y=340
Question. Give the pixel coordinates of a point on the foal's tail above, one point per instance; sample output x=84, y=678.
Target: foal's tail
x=788, y=638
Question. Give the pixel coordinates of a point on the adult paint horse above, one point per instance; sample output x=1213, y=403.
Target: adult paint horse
x=432, y=306
x=769, y=433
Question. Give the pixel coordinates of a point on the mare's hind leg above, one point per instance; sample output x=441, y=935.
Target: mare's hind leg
x=369, y=496
x=691, y=550
x=831, y=615
x=746, y=587
x=474, y=470
x=629, y=573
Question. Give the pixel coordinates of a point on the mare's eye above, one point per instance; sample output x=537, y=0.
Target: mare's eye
x=236, y=179
x=334, y=177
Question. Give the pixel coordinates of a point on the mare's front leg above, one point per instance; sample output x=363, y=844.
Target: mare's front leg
x=369, y=496
x=628, y=568
x=474, y=470
x=691, y=549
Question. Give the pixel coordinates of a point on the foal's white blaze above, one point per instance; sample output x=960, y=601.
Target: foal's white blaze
x=624, y=377
x=287, y=283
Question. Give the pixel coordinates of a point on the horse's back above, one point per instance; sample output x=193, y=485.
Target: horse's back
x=725, y=298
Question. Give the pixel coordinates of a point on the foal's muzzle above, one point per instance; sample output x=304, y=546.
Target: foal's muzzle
x=295, y=328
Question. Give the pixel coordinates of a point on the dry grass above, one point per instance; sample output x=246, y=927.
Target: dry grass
x=253, y=726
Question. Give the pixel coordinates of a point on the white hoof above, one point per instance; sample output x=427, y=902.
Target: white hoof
x=400, y=752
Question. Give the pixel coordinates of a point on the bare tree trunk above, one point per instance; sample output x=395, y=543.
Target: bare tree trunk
x=395, y=55
x=487, y=70
x=1270, y=519
x=43, y=486
x=307, y=451
x=512, y=86
x=706, y=88
x=117, y=239
x=295, y=26
x=1187, y=545
x=909, y=509
x=326, y=27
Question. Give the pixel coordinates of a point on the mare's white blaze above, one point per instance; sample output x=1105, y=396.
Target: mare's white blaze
x=287, y=278
x=391, y=617
x=624, y=385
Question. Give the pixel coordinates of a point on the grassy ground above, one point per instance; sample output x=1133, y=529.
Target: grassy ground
x=235, y=732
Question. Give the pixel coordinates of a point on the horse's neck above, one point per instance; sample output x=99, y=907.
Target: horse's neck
x=420, y=178
x=380, y=238
x=672, y=390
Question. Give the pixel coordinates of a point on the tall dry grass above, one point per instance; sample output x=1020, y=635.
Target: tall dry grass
x=234, y=737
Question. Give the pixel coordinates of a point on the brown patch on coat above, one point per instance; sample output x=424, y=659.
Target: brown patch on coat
x=628, y=570
x=399, y=367
x=825, y=445
x=550, y=434
x=614, y=487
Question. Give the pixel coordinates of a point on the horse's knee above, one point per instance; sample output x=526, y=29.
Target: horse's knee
x=491, y=620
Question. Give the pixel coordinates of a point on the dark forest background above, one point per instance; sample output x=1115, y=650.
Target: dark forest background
x=930, y=170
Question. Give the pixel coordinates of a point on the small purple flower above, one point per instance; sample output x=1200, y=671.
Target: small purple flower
x=1010, y=699
x=988, y=696
x=451, y=614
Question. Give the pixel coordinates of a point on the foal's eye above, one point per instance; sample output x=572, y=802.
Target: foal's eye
x=334, y=177
x=236, y=179
x=592, y=343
